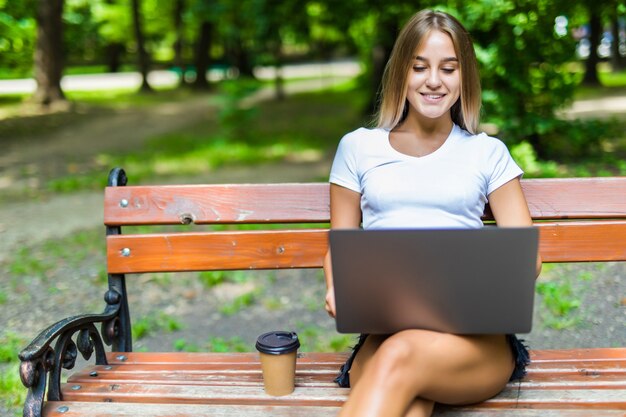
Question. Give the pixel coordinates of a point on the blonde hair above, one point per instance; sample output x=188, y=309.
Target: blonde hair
x=393, y=105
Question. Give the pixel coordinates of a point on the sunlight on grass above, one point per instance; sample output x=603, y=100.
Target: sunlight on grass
x=272, y=131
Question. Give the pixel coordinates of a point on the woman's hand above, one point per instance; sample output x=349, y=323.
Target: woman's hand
x=330, y=302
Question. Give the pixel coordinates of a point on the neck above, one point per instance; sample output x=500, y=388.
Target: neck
x=426, y=128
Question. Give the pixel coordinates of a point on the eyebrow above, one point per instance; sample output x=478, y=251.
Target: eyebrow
x=449, y=59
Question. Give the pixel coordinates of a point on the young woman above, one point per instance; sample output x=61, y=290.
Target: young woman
x=425, y=165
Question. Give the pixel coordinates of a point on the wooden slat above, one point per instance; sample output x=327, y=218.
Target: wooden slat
x=441, y=411
x=563, y=378
x=168, y=252
x=81, y=409
x=217, y=251
x=596, y=241
x=214, y=394
x=210, y=204
x=589, y=399
x=209, y=359
x=576, y=198
x=324, y=396
x=562, y=198
x=323, y=359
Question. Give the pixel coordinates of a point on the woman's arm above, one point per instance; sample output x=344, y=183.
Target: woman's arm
x=510, y=209
x=345, y=213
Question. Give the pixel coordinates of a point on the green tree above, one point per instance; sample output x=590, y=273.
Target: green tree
x=17, y=35
x=524, y=65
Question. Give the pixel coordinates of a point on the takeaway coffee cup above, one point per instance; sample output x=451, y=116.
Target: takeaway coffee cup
x=278, y=351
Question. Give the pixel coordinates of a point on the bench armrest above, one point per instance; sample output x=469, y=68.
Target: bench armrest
x=41, y=362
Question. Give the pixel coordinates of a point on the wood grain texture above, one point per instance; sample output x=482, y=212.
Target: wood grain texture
x=82, y=409
x=559, y=383
x=168, y=252
x=213, y=204
x=562, y=198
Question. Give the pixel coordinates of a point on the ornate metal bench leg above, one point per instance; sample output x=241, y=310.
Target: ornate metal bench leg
x=33, y=375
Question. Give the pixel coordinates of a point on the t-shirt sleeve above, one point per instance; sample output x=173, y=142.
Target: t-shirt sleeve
x=344, y=169
x=502, y=166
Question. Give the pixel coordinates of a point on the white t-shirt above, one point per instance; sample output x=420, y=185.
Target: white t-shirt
x=445, y=189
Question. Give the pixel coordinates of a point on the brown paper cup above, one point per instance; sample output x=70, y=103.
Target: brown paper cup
x=278, y=351
x=279, y=373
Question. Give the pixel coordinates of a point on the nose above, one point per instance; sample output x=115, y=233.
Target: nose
x=433, y=81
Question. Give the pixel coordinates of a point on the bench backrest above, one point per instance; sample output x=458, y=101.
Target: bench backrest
x=580, y=219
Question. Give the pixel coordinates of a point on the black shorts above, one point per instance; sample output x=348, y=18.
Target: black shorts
x=519, y=350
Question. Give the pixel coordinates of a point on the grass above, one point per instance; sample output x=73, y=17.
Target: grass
x=12, y=392
x=314, y=339
x=562, y=295
x=148, y=325
x=239, y=303
x=275, y=131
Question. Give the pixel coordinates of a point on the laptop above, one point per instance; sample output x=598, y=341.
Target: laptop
x=462, y=281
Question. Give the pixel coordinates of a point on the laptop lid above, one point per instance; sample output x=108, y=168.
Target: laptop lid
x=463, y=281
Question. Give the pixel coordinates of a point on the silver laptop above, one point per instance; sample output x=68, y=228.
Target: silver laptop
x=463, y=281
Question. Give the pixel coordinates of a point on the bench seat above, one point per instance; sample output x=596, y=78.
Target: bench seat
x=559, y=382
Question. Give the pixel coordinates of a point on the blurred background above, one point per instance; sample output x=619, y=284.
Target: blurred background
x=200, y=91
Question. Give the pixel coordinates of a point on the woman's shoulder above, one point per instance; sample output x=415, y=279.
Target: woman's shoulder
x=481, y=139
x=366, y=133
x=363, y=138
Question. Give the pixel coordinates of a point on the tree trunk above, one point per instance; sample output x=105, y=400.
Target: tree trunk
x=179, y=63
x=202, y=59
x=114, y=52
x=618, y=62
x=48, y=57
x=241, y=58
x=143, y=60
x=381, y=52
x=591, y=65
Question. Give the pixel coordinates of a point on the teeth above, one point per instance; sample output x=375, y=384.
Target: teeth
x=433, y=96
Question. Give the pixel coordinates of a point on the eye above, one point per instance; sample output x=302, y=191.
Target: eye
x=448, y=70
x=419, y=68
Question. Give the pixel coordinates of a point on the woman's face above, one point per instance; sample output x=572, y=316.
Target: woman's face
x=434, y=80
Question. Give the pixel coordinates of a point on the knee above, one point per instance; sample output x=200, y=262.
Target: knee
x=396, y=358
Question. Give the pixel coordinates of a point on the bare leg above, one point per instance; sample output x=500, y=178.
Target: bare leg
x=404, y=374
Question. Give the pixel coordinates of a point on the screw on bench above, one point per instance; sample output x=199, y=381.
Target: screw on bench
x=126, y=252
x=122, y=358
x=63, y=409
x=94, y=373
x=124, y=203
x=75, y=387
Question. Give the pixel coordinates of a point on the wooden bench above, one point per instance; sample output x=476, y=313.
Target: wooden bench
x=579, y=220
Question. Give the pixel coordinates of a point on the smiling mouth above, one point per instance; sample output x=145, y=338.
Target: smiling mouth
x=433, y=96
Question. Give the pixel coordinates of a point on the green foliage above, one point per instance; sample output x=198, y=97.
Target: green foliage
x=10, y=345
x=151, y=324
x=561, y=301
x=235, y=344
x=316, y=339
x=212, y=279
x=12, y=392
x=17, y=35
x=182, y=345
x=238, y=303
x=27, y=262
x=523, y=63
x=526, y=157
